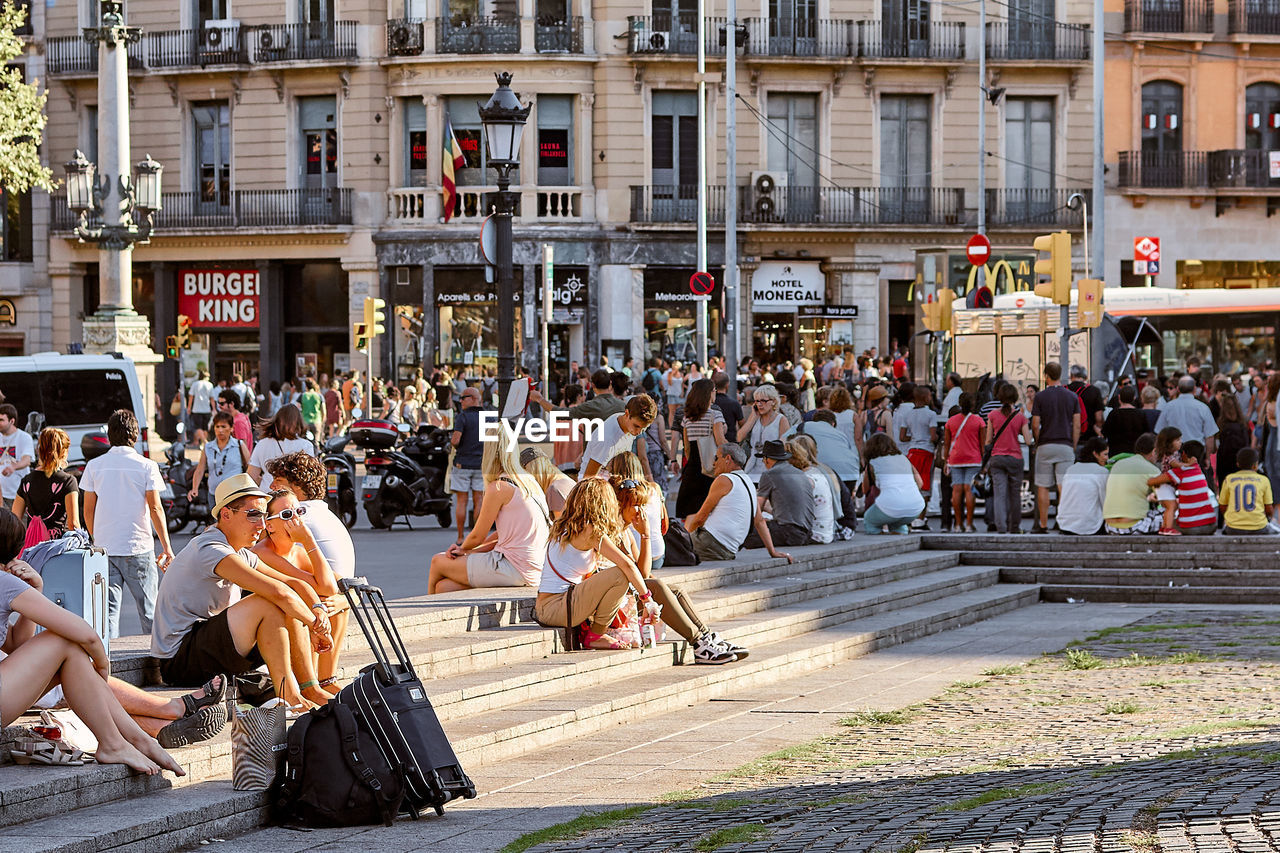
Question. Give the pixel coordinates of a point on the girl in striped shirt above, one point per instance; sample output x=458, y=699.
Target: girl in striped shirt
x=1197, y=509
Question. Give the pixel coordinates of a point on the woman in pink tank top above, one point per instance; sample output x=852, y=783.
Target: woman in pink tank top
x=514, y=555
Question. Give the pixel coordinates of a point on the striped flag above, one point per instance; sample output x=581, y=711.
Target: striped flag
x=451, y=162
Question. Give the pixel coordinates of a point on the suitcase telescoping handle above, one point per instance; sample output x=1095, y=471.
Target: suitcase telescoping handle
x=368, y=604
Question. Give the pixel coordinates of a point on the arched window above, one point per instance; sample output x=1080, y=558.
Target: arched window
x=1161, y=116
x=1262, y=117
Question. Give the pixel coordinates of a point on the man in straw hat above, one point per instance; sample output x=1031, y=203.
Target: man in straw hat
x=202, y=626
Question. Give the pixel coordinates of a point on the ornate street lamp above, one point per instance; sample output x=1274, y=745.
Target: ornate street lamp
x=141, y=202
x=503, y=119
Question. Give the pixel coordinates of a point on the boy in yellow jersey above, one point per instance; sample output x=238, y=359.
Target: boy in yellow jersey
x=1246, y=497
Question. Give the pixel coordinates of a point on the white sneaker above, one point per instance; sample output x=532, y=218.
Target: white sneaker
x=733, y=649
x=710, y=653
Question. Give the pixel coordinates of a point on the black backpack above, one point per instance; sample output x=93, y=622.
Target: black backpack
x=335, y=774
x=679, y=545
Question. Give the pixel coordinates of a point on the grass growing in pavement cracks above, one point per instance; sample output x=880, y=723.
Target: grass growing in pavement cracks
x=1081, y=659
x=997, y=794
x=1007, y=669
x=1219, y=726
x=583, y=823
x=1142, y=629
x=878, y=718
x=740, y=834
x=1122, y=708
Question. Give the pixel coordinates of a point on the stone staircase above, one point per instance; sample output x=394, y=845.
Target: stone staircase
x=1138, y=570
x=504, y=686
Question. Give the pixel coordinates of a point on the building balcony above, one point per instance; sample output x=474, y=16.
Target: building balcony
x=310, y=40
x=1189, y=17
x=1162, y=170
x=1032, y=208
x=417, y=205
x=209, y=45
x=1253, y=17
x=655, y=35
x=233, y=209
x=74, y=55
x=406, y=36
x=804, y=206
x=799, y=37
x=556, y=35
x=478, y=35
x=1235, y=169
x=935, y=40
x=1040, y=41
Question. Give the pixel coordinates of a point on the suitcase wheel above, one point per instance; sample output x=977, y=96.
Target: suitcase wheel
x=439, y=811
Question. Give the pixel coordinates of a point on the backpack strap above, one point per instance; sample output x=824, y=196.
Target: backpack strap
x=356, y=764
x=295, y=762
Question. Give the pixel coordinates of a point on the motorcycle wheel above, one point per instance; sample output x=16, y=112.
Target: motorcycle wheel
x=373, y=510
x=347, y=508
x=1027, y=499
x=445, y=518
x=173, y=521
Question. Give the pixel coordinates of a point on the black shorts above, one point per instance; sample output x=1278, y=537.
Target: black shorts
x=201, y=421
x=206, y=651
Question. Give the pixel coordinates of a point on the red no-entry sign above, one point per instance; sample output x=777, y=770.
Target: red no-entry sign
x=701, y=283
x=978, y=250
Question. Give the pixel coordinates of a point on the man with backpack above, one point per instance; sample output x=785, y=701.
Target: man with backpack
x=1091, y=402
x=1055, y=424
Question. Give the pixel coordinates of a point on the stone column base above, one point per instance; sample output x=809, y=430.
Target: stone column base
x=130, y=335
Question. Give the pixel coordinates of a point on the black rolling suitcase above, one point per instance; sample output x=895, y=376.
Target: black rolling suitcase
x=390, y=702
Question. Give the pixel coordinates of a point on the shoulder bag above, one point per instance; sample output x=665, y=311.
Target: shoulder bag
x=983, y=479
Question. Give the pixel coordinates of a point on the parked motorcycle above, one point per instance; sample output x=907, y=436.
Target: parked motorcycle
x=340, y=486
x=407, y=480
x=92, y=445
x=178, y=472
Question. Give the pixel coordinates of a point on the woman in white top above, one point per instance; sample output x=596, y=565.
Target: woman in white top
x=766, y=423
x=701, y=419
x=555, y=484
x=824, y=503
x=223, y=457
x=626, y=466
x=848, y=421
x=1084, y=490
x=898, y=499
x=515, y=553
x=430, y=413
x=280, y=436
x=572, y=594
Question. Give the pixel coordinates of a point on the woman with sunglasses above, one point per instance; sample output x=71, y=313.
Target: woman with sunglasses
x=290, y=549
x=765, y=423
x=285, y=433
x=514, y=554
x=677, y=610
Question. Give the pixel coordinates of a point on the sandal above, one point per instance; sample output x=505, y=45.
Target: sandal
x=211, y=696
x=589, y=638
x=204, y=724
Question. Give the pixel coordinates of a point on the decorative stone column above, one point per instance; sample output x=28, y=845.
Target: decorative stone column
x=857, y=282
x=746, y=314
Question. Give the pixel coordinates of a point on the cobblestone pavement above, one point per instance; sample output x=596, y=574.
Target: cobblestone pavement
x=1163, y=735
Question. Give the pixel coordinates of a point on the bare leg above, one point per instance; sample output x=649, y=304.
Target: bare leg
x=301, y=663
x=327, y=663
x=460, y=515
x=138, y=703
x=256, y=622
x=447, y=574
x=969, y=502
x=34, y=665
x=1042, y=506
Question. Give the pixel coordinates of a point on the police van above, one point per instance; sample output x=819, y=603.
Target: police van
x=76, y=393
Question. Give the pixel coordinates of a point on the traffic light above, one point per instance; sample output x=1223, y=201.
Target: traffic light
x=1089, y=303
x=184, y=331
x=932, y=317
x=946, y=298
x=374, y=316
x=1057, y=267
x=358, y=331
x=171, y=347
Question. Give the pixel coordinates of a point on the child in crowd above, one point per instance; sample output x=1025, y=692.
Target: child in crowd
x=1246, y=497
x=1197, y=514
x=1168, y=456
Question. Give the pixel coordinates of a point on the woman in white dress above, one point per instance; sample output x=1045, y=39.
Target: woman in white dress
x=766, y=423
x=283, y=434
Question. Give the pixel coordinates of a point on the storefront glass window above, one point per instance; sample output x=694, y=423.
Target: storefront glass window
x=315, y=295
x=409, y=320
x=670, y=314
x=415, y=142
x=467, y=314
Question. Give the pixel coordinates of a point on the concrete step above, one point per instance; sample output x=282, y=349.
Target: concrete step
x=1188, y=560
x=514, y=683
x=1117, y=575
x=452, y=615
x=491, y=738
x=1161, y=594
x=1056, y=543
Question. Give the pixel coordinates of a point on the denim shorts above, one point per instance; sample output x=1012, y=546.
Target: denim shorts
x=962, y=475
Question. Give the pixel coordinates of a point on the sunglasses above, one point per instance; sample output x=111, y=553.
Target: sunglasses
x=289, y=512
x=629, y=484
x=252, y=514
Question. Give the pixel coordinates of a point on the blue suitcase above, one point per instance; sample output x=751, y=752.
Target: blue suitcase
x=77, y=581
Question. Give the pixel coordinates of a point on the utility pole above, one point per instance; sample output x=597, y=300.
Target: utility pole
x=1099, y=179
x=700, y=329
x=982, y=117
x=732, y=281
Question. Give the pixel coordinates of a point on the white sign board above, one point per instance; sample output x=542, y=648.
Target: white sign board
x=787, y=284
x=1273, y=162
x=1079, y=349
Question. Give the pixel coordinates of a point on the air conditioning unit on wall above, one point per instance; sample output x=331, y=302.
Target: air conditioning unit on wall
x=220, y=36
x=404, y=38
x=769, y=196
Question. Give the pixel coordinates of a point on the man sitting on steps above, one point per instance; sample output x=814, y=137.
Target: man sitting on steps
x=203, y=628
x=719, y=527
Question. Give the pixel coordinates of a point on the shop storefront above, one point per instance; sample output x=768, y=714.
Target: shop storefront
x=670, y=314
x=467, y=318
x=566, y=334
x=779, y=289
x=822, y=330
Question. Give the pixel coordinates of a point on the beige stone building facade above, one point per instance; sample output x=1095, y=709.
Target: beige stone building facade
x=302, y=144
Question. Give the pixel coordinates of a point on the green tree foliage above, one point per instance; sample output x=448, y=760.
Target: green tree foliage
x=22, y=117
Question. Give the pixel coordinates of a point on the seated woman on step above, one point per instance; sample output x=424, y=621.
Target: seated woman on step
x=572, y=594
x=289, y=549
x=67, y=652
x=513, y=556
x=677, y=610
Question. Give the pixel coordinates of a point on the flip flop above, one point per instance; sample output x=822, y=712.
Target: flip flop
x=211, y=697
x=204, y=724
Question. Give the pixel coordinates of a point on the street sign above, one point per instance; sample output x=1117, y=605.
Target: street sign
x=489, y=240
x=978, y=250
x=1146, y=255
x=701, y=283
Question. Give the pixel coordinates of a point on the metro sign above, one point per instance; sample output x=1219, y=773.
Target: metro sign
x=1146, y=255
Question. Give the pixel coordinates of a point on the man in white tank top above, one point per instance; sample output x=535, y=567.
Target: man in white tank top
x=719, y=527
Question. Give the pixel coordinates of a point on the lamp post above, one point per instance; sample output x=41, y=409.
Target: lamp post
x=115, y=206
x=503, y=119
